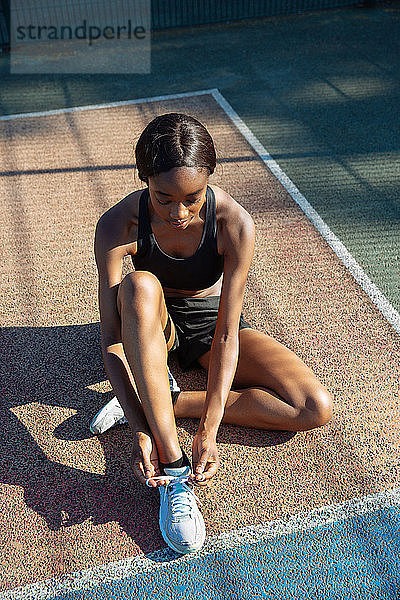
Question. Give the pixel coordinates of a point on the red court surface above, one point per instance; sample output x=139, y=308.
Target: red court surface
x=68, y=499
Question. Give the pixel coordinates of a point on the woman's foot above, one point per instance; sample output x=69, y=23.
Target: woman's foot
x=181, y=522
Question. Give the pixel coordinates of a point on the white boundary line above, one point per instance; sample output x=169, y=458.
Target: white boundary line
x=388, y=311
x=115, y=571
x=60, y=111
x=129, y=568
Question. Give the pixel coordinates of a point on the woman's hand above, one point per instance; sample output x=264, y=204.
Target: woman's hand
x=205, y=457
x=144, y=459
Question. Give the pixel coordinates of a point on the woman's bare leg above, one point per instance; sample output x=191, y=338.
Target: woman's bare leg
x=272, y=389
x=143, y=317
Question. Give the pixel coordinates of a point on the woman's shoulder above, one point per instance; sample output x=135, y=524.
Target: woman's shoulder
x=236, y=229
x=126, y=209
x=229, y=211
x=120, y=221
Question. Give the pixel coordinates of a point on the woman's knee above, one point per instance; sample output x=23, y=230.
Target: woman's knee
x=318, y=408
x=139, y=290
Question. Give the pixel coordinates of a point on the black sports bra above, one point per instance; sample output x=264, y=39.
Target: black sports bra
x=197, y=272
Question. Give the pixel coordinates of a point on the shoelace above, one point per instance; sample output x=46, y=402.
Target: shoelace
x=177, y=500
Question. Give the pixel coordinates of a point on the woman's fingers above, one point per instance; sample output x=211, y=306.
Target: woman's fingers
x=205, y=472
x=211, y=469
x=144, y=461
x=144, y=470
x=148, y=470
x=155, y=473
x=139, y=471
x=206, y=463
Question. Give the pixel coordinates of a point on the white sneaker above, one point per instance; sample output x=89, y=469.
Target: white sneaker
x=112, y=414
x=173, y=385
x=181, y=523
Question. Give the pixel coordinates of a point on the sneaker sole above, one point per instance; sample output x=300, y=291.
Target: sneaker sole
x=92, y=425
x=97, y=431
x=182, y=550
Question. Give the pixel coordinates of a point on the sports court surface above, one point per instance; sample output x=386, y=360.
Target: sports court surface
x=307, y=515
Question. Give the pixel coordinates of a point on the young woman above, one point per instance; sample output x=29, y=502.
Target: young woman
x=191, y=245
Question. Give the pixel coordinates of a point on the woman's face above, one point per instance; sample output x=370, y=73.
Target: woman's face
x=178, y=195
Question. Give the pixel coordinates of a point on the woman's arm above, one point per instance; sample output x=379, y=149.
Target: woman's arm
x=237, y=234
x=109, y=256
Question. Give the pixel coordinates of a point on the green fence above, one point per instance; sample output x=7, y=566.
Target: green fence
x=181, y=13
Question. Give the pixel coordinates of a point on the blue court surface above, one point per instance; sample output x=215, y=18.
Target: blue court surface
x=344, y=551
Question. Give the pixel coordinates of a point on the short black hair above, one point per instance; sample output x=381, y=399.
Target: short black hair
x=174, y=140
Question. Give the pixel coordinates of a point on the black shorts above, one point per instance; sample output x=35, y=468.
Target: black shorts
x=195, y=320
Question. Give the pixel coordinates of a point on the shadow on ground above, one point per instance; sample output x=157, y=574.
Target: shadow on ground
x=49, y=374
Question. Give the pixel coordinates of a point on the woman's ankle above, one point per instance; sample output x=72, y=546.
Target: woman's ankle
x=183, y=461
